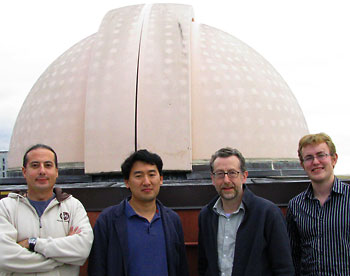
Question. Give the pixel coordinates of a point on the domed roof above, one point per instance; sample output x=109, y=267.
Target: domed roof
x=153, y=78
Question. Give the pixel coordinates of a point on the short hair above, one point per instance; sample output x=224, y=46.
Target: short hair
x=38, y=146
x=142, y=155
x=228, y=152
x=315, y=139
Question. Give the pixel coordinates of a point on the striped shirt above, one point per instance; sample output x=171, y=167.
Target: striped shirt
x=320, y=235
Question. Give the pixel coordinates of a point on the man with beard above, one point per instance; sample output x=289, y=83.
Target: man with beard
x=239, y=232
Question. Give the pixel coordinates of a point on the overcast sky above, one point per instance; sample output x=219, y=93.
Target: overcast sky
x=306, y=41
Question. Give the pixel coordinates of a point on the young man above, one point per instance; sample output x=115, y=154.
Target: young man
x=318, y=219
x=139, y=236
x=240, y=233
x=44, y=230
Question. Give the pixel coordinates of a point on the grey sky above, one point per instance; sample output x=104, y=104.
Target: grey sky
x=306, y=41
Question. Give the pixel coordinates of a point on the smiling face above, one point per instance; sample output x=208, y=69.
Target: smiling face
x=319, y=171
x=144, y=182
x=229, y=189
x=40, y=173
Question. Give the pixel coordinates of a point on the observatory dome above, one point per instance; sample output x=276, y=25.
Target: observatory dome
x=151, y=77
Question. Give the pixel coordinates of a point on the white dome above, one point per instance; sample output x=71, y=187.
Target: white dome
x=152, y=78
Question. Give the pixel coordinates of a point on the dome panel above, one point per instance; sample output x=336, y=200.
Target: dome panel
x=111, y=90
x=239, y=100
x=53, y=112
x=163, y=105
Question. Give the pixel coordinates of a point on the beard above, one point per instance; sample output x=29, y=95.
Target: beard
x=231, y=194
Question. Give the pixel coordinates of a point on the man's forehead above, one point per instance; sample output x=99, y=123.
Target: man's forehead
x=229, y=159
x=41, y=155
x=140, y=166
x=145, y=171
x=40, y=161
x=315, y=147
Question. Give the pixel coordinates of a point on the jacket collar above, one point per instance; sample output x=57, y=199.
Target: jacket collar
x=60, y=195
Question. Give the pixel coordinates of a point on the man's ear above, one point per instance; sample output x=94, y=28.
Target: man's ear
x=334, y=159
x=24, y=171
x=161, y=180
x=245, y=176
x=126, y=181
x=212, y=179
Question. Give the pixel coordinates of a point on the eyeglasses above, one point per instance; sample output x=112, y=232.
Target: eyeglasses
x=320, y=157
x=221, y=175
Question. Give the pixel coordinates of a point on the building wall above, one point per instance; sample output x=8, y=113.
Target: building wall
x=3, y=164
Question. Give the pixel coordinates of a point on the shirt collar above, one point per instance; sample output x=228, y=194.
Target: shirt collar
x=337, y=188
x=220, y=210
x=130, y=212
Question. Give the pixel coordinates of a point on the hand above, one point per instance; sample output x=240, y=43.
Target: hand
x=73, y=231
x=24, y=243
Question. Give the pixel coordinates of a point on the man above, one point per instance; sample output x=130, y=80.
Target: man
x=43, y=231
x=318, y=219
x=139, y=236
x=239, y=232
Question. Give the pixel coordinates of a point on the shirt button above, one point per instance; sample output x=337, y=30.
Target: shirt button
x=226, y=237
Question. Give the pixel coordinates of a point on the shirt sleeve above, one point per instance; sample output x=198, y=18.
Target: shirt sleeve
x=15, y=258
x=72, y=249
x=294, y=240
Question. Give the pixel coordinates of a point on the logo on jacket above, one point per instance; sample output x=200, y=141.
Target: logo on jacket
x=64, y=216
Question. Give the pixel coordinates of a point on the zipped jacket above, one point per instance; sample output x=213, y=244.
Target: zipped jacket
x=55, y=252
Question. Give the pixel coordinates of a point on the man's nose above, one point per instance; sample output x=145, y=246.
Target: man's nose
x=226, y=178
x=315, y=161
x=42, y=169
x=146, y=180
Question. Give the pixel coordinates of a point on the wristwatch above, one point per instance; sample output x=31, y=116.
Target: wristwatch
x=32, y=243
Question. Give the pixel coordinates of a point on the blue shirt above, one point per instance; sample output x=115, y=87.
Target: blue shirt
x=146, y=244
x=320, y=235
x=40, y=206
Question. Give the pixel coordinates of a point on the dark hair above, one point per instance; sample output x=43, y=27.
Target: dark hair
x=143, y=156
x=38, y=146
x=227, y=152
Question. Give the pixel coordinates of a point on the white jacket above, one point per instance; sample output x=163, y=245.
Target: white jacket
x=55, y=252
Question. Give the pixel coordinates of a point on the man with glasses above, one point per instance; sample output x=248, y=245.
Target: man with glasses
x=239, y=232
x=318, y=218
